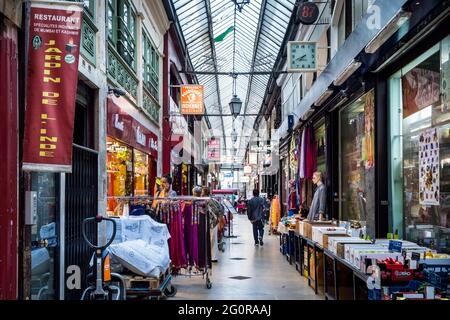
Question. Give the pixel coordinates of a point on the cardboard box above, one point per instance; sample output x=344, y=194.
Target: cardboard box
x=351, y=250
x=299, y=227
x=309, y=224
x=332, y=242
x=319, y=232
x=340, y=246
x=327, y=237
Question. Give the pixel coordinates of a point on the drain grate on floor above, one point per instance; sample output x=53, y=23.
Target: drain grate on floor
x=240, y=278
x=236, y=243
x=238, y=258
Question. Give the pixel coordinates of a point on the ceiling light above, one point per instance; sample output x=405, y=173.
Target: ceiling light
x=323, y=97
x=385, y=33
x=235, y=106
x=348, y=71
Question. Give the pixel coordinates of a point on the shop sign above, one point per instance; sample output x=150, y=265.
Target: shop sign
x=214, y=150
x=308, y=12
x=192, y=99
x=123, y=127
x=54, y=30
x=140, y=137
x=117, y=123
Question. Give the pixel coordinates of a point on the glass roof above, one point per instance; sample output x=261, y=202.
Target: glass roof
x=257, y=37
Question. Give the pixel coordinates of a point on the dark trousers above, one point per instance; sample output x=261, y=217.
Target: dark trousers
x=258, y=230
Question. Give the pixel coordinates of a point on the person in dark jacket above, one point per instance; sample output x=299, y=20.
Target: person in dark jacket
x=255, y=215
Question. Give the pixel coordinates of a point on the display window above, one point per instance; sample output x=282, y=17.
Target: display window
x=420, y=149
x=356, y=150
x=120, y=171
x=141, y=173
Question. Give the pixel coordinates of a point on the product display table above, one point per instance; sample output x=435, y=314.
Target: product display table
x=327, y=273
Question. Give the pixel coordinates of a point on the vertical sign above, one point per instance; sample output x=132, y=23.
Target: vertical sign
x=214, y=150
x=429, y=167
x=54, y=31
x=192, y=99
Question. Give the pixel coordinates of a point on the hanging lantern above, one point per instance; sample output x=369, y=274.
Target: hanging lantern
x=235, y=106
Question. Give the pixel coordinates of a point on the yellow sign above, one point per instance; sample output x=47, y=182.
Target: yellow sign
x=192, y=99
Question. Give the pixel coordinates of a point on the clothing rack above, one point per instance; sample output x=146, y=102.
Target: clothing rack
x=176, y=200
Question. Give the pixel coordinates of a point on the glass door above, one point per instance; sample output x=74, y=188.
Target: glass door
x=44, y=238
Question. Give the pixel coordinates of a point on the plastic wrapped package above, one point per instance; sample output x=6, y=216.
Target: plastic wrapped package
x=140, y=246
x=142, y=258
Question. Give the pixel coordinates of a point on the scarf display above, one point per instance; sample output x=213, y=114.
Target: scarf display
x=188, y=224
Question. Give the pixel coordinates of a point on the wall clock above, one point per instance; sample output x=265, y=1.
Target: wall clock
x=302, y=56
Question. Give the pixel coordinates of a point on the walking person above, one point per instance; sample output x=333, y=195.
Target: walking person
x=255, y=215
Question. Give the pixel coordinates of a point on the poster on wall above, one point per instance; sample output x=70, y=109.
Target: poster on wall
x=429, y=167
x=54, y=31
x=420, y=89
x=214, y=150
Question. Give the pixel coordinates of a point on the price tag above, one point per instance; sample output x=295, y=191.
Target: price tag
x=415, y=256
x=395, y=246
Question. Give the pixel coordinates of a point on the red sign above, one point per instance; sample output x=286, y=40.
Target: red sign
x=308, y=12
x=124, y=127
x=214, y=150
x=53, y=52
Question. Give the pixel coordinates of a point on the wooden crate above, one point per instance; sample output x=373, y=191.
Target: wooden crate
x=147, y=283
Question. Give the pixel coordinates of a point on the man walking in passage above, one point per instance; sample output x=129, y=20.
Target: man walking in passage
x=255, y=215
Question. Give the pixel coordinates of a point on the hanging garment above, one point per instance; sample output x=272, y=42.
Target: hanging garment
x=275, y=212
x=311, y=153
x=177, y=249
x=302, y=155
x=187, y=209
x=214, y=243
x=204, y=239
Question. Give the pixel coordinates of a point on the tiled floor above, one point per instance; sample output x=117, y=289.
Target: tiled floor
x=270, y=276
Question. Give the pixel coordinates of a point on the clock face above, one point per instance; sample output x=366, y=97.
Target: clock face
x=303, y=56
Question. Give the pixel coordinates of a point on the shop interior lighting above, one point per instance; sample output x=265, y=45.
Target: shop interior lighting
x=385, y=33
x=348, y=71
x=323, y=98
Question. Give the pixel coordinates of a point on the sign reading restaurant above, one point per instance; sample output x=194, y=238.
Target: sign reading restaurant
x=54, y=31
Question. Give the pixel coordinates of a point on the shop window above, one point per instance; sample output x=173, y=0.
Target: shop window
x=356, y=157
x=120, y=171
x=420, y=149
x=121, y=23
x=150, y=70
x=141, y=177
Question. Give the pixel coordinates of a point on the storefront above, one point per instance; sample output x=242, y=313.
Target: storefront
x=419, y=103
x=132, y=150
x=356, y=159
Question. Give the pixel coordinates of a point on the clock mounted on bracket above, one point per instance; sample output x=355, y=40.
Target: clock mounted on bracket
x=302, y=56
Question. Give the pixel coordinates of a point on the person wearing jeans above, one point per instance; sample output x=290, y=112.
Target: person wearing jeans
x=255, y=215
